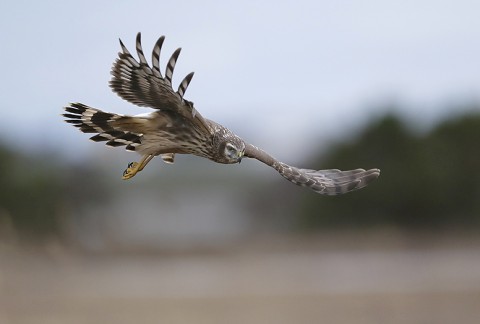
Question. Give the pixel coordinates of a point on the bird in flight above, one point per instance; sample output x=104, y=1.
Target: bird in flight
x=176, y=127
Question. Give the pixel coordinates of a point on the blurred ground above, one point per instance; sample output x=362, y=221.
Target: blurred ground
x=332, y=278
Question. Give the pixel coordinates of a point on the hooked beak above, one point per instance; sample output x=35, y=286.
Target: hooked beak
x=240, y=156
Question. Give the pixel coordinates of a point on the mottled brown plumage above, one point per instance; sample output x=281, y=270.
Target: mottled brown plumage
x=176, y=127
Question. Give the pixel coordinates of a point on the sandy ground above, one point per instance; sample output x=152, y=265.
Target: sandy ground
x=261, y=282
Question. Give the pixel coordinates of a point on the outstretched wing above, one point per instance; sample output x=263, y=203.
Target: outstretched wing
x=326, y=182
x=142, y=85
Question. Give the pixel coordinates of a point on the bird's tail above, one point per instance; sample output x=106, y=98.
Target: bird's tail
x=114, y=129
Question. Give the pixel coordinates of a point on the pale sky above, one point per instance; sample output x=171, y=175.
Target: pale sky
x=276, y=72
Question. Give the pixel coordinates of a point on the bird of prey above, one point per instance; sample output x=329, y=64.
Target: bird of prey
x=176, y=127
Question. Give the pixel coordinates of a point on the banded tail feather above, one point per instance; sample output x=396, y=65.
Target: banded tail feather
x=103, y=124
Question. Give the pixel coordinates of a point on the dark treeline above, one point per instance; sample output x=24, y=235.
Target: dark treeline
x=429, y=180
x=38, y=193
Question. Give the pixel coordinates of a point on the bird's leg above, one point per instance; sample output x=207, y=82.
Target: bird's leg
x=135, y=167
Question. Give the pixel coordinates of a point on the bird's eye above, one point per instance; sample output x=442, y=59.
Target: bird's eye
x=231, y=148
x=231, y=151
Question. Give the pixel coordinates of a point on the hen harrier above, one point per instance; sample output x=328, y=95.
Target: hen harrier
x=177, y=127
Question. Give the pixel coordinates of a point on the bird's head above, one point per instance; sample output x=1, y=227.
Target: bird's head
x=233, y=151
x=227, y=147
x=230, y=150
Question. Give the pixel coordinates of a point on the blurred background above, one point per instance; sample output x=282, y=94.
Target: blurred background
x=318, y=84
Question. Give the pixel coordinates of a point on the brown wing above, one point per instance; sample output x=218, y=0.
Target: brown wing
x=326, y=182
x=145, y=86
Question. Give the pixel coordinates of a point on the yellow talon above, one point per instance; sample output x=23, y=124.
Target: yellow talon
x=131, y=170
x=134, y=167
